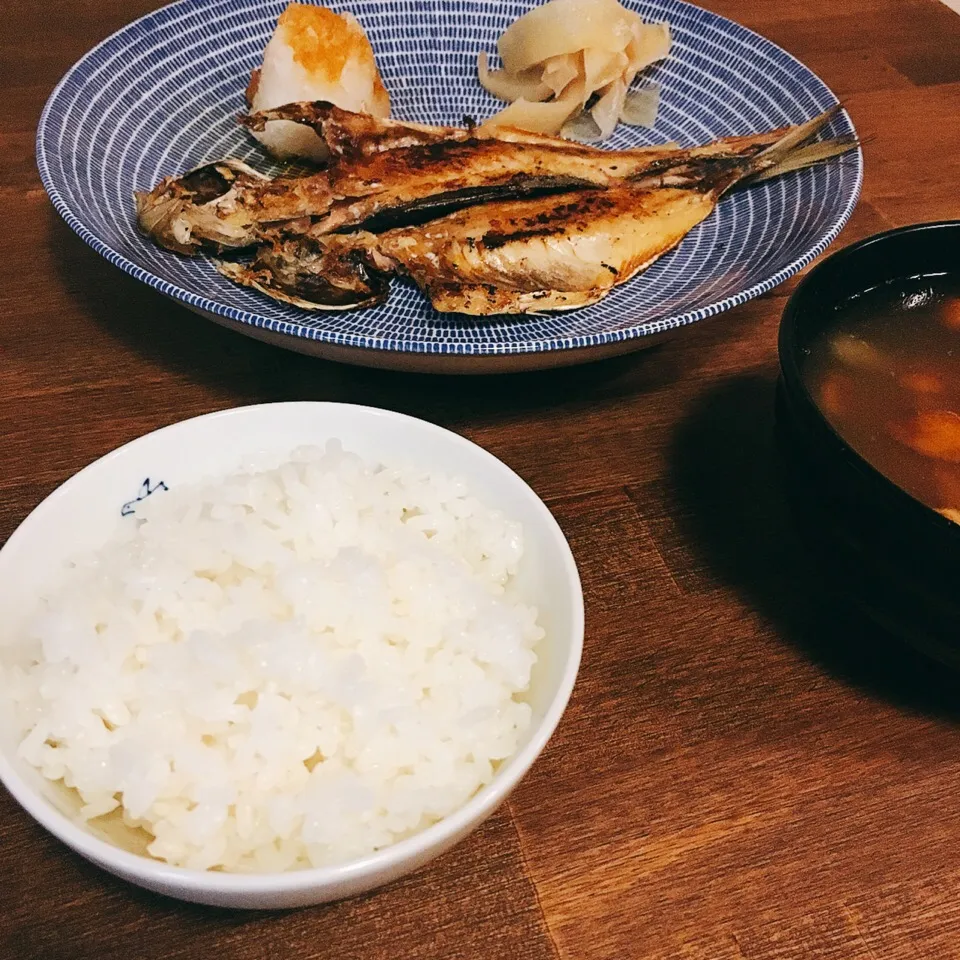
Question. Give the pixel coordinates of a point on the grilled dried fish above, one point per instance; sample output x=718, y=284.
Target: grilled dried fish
x=556, y=253
x=315, y=276
x=521, y=256
x=225, y=205
x=400, y=174
x=205, y=207
x=353, y=135
x=411, y=184
x=549, y=253
x=570, y=251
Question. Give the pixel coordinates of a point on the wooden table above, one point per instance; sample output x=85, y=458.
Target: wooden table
x=741, y=773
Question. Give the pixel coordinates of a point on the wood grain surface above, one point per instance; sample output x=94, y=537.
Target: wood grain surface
x=743, y=772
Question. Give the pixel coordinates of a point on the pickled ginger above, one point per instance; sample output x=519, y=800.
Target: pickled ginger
x=568, y=65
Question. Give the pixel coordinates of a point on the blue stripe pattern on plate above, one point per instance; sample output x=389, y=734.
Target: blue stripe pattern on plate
x=162, y=96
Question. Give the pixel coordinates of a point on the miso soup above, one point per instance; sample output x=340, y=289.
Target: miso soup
x=886, y=375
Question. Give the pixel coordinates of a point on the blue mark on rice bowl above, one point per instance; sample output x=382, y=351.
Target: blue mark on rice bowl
x=145, y=491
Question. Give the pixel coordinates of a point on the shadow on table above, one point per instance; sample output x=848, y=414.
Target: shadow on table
x=733, y=507
x=144, y=322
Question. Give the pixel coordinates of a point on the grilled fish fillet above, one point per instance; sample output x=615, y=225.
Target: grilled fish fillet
x=547, y=254
x=395, y=174
x=527, y=256
x=425, y=172
x=413, y=184
x=520, y=256
x=559, y=253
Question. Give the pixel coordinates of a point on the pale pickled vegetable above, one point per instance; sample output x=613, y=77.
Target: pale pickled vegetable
x=650, y=43
x=582, y=127
x=581, y=53
x=606, y=111
x=560, y=72
x=565, y=26
x=506, y=87
x=602, y=67
x=640, y=106
x=545, y=118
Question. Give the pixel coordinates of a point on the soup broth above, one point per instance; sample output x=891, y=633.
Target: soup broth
x=887, y=377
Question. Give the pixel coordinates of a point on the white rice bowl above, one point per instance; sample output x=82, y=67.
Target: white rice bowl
x=285, y=668
x=83, y=514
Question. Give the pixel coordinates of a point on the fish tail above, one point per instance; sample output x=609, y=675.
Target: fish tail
x=792, y=151
x=794, y=137
x=807, y=156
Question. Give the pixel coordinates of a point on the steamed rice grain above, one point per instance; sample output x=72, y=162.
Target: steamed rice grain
x=285, y=668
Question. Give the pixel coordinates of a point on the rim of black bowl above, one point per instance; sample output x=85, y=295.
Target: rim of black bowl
x=788, y=349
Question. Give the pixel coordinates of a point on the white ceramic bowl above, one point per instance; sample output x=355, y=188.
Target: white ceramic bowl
x=80, y=515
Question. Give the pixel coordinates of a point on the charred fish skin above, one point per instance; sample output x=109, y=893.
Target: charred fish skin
x=452, y=163
x=398, y=208
x=411, y=184
x=192, y=222
x=202, y=210
x=528, y=256
x=284, y=200
x=545, y=254
x=387, y=173
x=352, y=135
x=243, y=204
x=355, y=135
x=401, y=186
x=558, y=252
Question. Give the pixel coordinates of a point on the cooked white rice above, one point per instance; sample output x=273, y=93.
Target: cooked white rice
x=284, y=668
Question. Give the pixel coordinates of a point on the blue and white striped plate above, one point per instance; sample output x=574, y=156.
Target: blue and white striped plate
x=162, y=96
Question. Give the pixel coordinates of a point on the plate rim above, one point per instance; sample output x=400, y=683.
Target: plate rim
x=450, y=348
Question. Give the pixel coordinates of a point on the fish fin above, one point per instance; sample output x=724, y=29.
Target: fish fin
x=791, y=152
x=337, y=299
x=796, y=136
x=806, y=156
